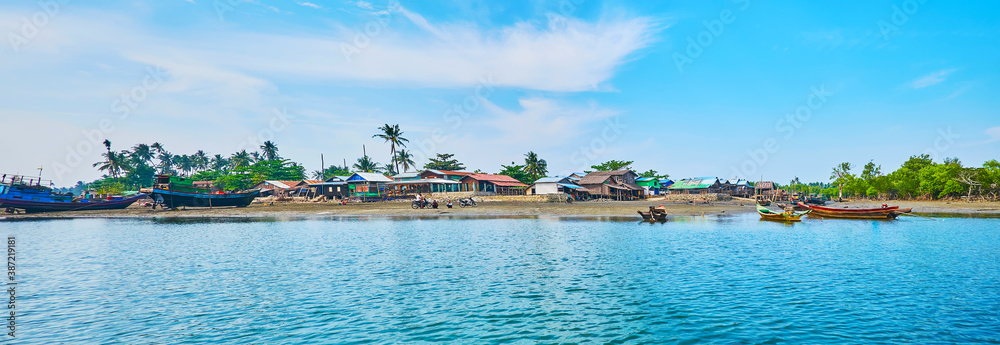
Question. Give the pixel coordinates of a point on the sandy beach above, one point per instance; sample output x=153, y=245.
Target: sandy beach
x=506, y=208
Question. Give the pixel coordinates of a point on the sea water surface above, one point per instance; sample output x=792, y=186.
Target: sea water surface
x=521, y=280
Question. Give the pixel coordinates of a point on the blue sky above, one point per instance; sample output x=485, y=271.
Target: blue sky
x=697, y=88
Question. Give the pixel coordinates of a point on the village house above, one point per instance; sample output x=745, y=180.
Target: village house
x=556, y=185
x=498, y=184
x=367, y=186
x=738, y=187
x=617, y=185
x=697, y=185
x=333, y=188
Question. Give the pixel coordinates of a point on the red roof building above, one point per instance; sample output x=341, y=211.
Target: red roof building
x=499, y=184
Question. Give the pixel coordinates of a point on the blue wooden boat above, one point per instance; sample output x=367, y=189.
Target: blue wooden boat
x=31, y=195
x=173, y=192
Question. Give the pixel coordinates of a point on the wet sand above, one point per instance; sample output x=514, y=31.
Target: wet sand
x=506, y=208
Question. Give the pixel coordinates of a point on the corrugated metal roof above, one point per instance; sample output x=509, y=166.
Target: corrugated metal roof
x=491, y=178
x=571, y=186
x=426, y=181
x=553, y=179
x=508, y=184
x=694, y=183
x=600, y=176
x=370, y=177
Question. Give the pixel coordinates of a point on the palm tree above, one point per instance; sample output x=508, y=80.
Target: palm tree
x=270, y=150
x=394, y=136
x=184, y=163
x=534, y=166
x=142, y=153
x=406, y=159
x=200, y=160
x=240, y=159
x=157, y=147
x=256, y=156
x=166, y=162
x=219, y=162
x=317, y=175
x=113, y=162
x=366, y=164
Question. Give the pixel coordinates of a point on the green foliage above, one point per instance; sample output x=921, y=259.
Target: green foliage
x=534, y=167
x=654, y=174
x=517, y=172
x=444, y=161
x=612, y=165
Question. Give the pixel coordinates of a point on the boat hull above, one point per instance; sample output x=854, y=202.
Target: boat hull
x=31, y=206
x=869, y=213
x=767, y=214
x=175, y=199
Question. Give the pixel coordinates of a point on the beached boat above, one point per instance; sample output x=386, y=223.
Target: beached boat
x=31, y=196
x=885, y=212
x=654, y=214
x=787, y=216
x=173, y=192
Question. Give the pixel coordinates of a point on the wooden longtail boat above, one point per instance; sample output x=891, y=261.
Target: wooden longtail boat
x=787, y=216
x=654, y=214
x=888, y=212
x=174, y=192
x=32, y=196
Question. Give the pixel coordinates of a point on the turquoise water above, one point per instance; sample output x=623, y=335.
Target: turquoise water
x=545, y=280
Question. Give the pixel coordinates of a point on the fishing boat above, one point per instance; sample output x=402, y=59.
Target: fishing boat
x=31, y=195
x=173, y=192
x=655, y=214
x=884, y=212
x=787, y=216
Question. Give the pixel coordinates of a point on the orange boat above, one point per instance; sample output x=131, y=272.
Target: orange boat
x=885, y=212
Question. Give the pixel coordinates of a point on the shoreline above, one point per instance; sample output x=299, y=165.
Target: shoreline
x=498, y=209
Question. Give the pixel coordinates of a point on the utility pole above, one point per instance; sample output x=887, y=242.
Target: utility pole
x=322, y=168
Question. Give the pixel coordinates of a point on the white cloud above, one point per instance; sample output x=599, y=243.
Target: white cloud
x=931, y=79
x=993, y=133
x=309, y=4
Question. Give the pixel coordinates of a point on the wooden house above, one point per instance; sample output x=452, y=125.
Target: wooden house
x=556, y=185
x=499, y=184
x=617, y=185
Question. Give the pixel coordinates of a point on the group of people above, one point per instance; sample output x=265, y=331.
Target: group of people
x=433, y=203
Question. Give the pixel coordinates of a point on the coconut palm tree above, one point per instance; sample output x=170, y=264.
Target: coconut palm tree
x=184, y=163
x=166, y=162
x=270, y=150
x=256, y=156
x=200, y=160
x=534, y=166
x=394, y=136
x=113, y=162
x=142, y=153
x=219, y=162
x=403, y=157
x=366, y=164
x=240, y=159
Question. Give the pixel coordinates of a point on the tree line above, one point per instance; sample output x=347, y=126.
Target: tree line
x=918, y=178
